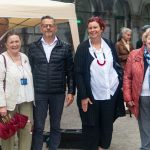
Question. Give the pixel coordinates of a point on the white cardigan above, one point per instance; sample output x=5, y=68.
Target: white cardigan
x=9, y=97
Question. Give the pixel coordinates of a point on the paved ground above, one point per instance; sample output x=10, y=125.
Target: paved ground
x=125, y=135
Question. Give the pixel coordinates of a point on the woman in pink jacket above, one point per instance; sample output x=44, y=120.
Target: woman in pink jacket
x=136, y=88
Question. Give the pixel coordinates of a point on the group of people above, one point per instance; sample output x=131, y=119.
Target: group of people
x=36, y=84
x=136, y=79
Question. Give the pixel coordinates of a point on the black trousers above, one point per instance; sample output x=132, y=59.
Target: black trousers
x=44, y=102
x=101, y=133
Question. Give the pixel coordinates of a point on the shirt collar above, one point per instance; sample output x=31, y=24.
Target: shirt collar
x=126, y=43
x=44, y=42
x=103, y=44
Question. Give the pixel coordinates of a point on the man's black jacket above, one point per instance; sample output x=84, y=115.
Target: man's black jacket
x=53, y=76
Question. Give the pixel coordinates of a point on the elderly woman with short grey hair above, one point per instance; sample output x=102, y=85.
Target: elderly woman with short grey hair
x=124, y=45
x=136, y=88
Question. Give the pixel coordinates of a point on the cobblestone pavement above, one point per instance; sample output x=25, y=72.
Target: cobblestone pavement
x=125, y=135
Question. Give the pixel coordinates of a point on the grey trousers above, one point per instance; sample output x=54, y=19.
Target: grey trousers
x=144, y=122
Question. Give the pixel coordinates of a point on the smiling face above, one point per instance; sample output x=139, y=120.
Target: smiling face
x=94, y=30
x=147, y=42
x=48, y=28
x=13, y=44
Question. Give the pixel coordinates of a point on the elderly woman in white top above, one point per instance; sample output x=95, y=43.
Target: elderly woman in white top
x=98, y=78
x=18, y=94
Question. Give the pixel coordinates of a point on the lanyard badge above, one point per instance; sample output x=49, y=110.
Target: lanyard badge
x=23, y=81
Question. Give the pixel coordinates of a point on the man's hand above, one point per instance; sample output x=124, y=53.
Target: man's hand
x=3, y=111
x=85, y=102
x=69, y=99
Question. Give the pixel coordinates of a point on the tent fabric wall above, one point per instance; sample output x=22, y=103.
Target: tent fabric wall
x=23, y=13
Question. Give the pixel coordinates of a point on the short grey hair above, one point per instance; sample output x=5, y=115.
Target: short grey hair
x=145, y=35
x=47, y=17
x=124, y=30
x=145, y=27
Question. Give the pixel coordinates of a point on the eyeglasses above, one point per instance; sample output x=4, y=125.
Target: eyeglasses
x=48, y=25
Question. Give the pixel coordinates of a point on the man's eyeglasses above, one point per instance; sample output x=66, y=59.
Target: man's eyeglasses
x=48, y=25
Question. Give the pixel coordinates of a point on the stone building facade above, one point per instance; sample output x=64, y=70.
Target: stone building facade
x=116, y=13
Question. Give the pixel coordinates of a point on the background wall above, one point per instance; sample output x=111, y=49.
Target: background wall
x=117, y=13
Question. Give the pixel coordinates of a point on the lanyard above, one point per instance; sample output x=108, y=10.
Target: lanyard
x=21, y=70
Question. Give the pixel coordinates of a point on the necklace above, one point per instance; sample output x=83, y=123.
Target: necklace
x=19, y=67
x=100, y=64
x=15, y=60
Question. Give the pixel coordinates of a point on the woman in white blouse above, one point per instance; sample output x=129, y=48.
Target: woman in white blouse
x=99, y=79
x=18, y=94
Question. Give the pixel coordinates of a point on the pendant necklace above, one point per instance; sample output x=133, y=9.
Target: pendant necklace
x=98, y=62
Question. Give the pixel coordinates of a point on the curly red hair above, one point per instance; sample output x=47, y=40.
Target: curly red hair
x=99, y=20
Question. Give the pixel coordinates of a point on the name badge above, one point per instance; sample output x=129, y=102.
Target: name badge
x=23, y=81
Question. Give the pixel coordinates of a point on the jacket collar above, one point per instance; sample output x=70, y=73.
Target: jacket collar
x=54, y=41
x=58, y=44
x=140, y=52
x=122, y=43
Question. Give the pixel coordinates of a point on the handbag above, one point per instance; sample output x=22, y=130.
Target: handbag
x=10, y=125
x=6, y=130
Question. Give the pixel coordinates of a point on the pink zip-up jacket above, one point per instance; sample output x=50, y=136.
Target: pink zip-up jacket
x=133, y=79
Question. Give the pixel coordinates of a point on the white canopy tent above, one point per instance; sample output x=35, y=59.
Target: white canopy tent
x=27, y=13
